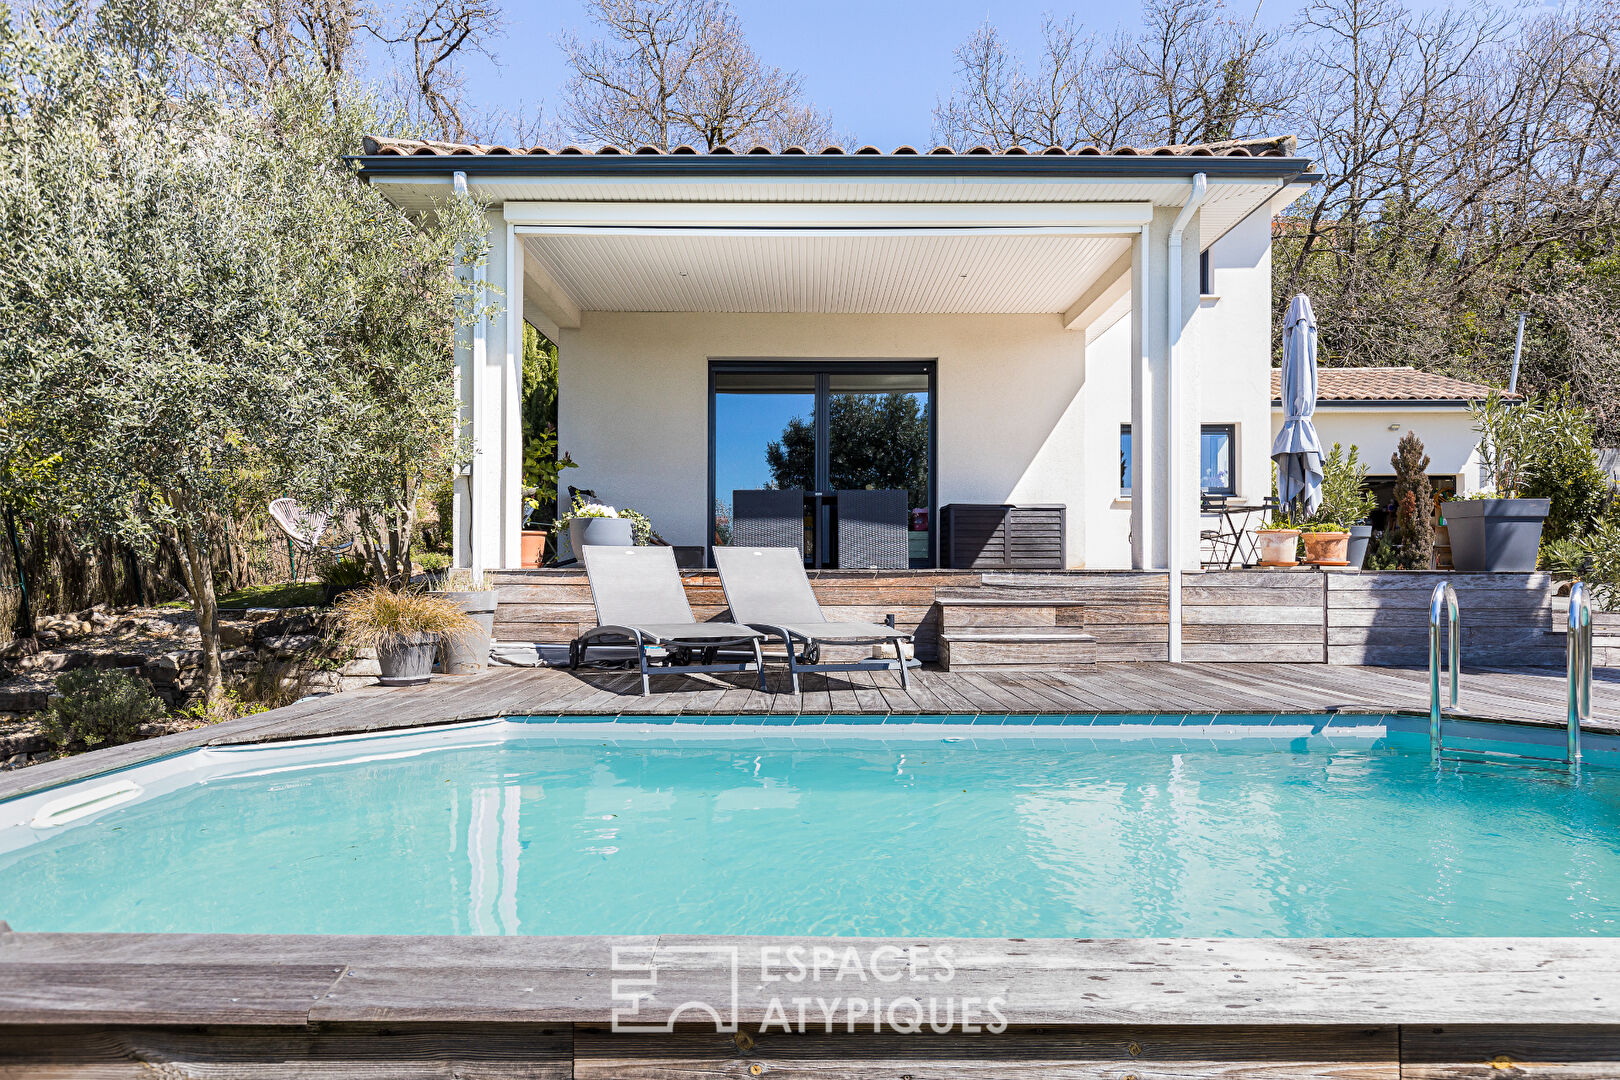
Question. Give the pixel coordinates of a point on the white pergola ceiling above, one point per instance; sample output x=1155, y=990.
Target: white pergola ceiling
x=819, y=273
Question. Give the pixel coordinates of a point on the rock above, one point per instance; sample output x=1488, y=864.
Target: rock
x=162, y=671
x=22, y=647
x=286, y=645
x=361, y=665
x=58, y=661
x=235, y=635
x=116, y=660
x=24, y=701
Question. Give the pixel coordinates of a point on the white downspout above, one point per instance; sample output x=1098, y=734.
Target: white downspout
x=470, y=424
x=1200, y=188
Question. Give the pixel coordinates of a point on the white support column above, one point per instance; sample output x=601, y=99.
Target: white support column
x=1147, y=298
x=1155, y=435
x=497, y=366
x=512, y=477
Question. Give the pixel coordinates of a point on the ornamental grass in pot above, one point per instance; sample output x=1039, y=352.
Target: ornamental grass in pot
x=404, y=627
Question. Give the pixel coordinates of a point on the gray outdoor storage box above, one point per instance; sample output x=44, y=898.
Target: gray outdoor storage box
x=983, y=536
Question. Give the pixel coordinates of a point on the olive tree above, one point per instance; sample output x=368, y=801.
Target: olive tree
x=195, y=293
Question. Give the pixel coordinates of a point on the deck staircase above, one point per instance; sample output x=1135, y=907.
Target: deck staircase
x=986, y=630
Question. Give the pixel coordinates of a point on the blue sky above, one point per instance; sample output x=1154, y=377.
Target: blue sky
x=877, y=65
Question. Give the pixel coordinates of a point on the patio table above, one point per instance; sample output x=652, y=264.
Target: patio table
x=1232, y=541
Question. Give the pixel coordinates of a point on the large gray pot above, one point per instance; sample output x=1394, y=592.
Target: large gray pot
x=1497, y=535
x=1360, y=537
x=467, y=654
x=407, y=662
x=598, y=532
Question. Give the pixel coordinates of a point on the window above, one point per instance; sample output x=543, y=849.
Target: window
x=1206, y=283
x=1215, y=459
x=1215, y=475
x=1125, y=459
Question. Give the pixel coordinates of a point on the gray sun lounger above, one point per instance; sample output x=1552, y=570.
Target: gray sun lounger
x=767, y=590
x=640, y=601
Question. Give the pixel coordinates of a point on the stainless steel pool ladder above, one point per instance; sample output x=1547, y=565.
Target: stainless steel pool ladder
x=1442, y=602
x=1578, y=670
x=1577, y=663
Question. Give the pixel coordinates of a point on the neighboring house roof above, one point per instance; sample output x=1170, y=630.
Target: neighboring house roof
x=1385, y=386
x=1277, y=146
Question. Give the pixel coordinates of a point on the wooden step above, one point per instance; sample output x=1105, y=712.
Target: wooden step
x=1032, y=649
x=1008, y=613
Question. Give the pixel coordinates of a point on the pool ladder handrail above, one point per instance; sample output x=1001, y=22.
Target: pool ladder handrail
x=1442, y=602
x=1578, y=670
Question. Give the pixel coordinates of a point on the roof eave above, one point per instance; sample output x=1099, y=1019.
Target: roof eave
x=1389, y=403
x=846, y=166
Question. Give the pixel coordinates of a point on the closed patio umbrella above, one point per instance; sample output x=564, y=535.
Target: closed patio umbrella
x=1297, y=449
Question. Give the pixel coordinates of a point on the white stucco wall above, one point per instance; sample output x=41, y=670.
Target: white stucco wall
x=633, y=402
x=1447, y=432
x=1228, y=344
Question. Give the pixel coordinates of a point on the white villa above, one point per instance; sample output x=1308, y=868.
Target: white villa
x=1089, y=330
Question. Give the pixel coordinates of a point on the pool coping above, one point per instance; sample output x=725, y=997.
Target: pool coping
x=203, y=979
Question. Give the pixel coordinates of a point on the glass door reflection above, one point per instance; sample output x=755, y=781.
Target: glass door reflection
x=878, y=438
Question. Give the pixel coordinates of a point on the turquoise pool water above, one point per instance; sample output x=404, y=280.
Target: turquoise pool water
x=522, y=829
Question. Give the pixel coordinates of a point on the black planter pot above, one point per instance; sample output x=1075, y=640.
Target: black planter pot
x=1495, y=535
x=407, y=662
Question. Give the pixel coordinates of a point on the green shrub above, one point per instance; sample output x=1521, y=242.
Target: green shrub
x=1345, y=498
x=1543, y=448
x=1600, y=565
x=432, y=561
x=1413, y=539
x=99, y=708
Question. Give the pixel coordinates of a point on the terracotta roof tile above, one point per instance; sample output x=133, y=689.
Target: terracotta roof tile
x=1279, y=146
x=1385, y=384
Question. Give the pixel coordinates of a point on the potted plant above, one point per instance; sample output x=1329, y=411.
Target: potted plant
x=541, y=468
x=597, y=525
x=1496, y=529
x=1328, y=536
x=1278, y=542
x=467, y=654
x=404, y=628
x=1326, y=544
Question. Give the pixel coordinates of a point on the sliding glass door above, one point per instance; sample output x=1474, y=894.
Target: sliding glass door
x=822, y=427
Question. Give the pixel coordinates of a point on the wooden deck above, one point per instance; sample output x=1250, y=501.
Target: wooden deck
x=141, y=1005
x=1145, y=688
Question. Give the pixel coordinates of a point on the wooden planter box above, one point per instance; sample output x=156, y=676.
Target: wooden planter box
x=980, y=536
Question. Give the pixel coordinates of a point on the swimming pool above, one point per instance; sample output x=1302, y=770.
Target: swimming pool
x=1295, y=829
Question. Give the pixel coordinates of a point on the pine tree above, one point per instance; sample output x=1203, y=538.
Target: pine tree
x=1414, y=520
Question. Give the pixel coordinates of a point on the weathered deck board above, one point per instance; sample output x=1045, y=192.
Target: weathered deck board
x=1280, y=1053
x=190, y=978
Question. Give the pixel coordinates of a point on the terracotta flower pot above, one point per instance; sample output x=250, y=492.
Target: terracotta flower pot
x=1278, y=547
x=1327, y=548
x=534, y=547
